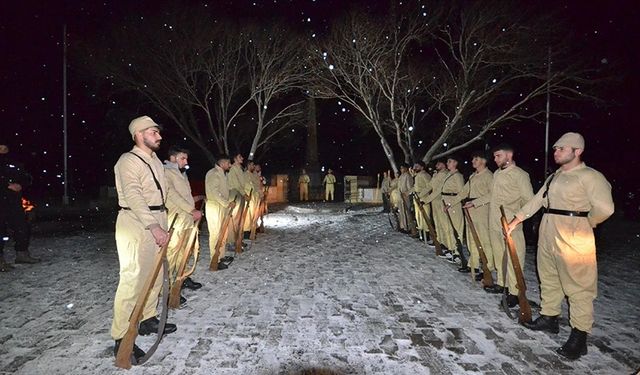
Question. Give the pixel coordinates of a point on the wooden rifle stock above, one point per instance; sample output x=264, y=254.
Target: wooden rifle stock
x=523, y=302
x=243, y=216
x=487, y=279
x=430, y=225
x=123, y=358
x=174, y=295
x=459, y=246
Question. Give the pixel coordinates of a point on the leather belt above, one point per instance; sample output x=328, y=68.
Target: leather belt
x=450, y=194
x=152, y=208
x=566, y=212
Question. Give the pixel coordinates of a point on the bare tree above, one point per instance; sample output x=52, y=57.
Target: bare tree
x=489, y=65
x=343, y=67
x=276, y=76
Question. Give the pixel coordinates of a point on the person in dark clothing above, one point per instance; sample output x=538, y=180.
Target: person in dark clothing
x=13, y=178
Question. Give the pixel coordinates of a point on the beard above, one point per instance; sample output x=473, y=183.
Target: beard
x=155, y=146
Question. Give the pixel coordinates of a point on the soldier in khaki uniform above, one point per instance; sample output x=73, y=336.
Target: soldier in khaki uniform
x=219, y=203
x=329, y=185
x=239, y=187
x=385, y=189
x=452, y=185
x=256, y=194
x=395, y=198
x=575, y=198
x=303, y=186
x=479, y=185
x=141, y=228
x=181, y=205
x=405, y=187
x=422, y=188
x=437, y=208
x=512, y=189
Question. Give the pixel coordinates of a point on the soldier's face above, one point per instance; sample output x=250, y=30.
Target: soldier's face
x=564, y=154
x=238, y=159
x=182, y=159
x=477, y=162
x=440, y=166
x=417, y=167
x=502, y=158
x=225, y=164
x=151, y=138
x=452, y=165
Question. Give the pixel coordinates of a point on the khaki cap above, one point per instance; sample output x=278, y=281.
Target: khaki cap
x=570, y=139
x=140, y=124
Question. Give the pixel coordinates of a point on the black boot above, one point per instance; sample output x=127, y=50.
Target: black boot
x=494, y=289
x=190, y=284
x=137, y=352
x=464, y=269
x=150, y=326
x=544, y=323
x=183, y=301
x=576, y=345
x=512, y=300
x=479, y=275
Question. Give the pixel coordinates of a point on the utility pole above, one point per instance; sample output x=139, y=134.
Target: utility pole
x=65, y=196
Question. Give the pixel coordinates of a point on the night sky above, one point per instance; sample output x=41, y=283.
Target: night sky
x=31, y=94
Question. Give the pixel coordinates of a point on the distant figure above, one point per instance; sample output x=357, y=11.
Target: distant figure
x=329, y=185
x=575, y=199
x=385, y=189
x=303, y=186
x=13, y=178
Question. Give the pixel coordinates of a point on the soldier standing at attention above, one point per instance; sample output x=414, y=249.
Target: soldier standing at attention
x=183, y=205
x=303, y=186
x=422, y=188
x=385, y=189
x=575, y=198
x=141, y=228
x=479, y=185
x=239, y=186
x=405, y=187
x=437, y=208
x=329, y=185
x=219, y=203
x=451, y=186
x=511, y=188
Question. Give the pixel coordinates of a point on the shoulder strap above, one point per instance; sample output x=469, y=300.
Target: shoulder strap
x=152, y=175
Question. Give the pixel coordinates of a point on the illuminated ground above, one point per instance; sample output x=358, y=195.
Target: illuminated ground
x=323, y=289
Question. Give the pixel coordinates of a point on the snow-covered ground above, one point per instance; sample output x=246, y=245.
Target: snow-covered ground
x=323, y=289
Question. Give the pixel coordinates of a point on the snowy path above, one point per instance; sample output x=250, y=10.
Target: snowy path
x=322, y=289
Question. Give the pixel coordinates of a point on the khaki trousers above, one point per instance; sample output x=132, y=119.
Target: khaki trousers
x=215, y=216
x=181, y=233
x=440, y=220
x=328, y=192
x=498, y=250
x=567, y=266
x=480, y=217
x=457, y=217
x=137, y=251
x=304, y=192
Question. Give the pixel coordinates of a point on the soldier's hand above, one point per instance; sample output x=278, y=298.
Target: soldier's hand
x=469, y=205
x=14, y=186
x=512, y=225
x=232, y=204
x=197, y=214
x=247, y=197
x=160, y=235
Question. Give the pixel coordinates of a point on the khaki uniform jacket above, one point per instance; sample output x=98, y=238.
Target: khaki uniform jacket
x=304, y=179
x=479, y=185
x=386, y=185
x=452, y=184
x=436, y=183
x=579, y=189
x=422, y=185
x=329, y=179
x=136, y=188
x=238, y=182
x=179, y=182
x=405, y=183
x=217, y=188
x=512, y=189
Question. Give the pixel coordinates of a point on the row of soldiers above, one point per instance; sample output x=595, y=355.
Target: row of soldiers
x=152, y=195
x=575, y=199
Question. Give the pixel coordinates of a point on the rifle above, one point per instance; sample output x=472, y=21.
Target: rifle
x=264, y=209
x=525, y=308
x=181, y=276
x=240, y=230
x=487, y=279
x=430, y=225
x=459, y=245
x=254, y=220
x=222, y=239
x=409, y=216
x=124, y=356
